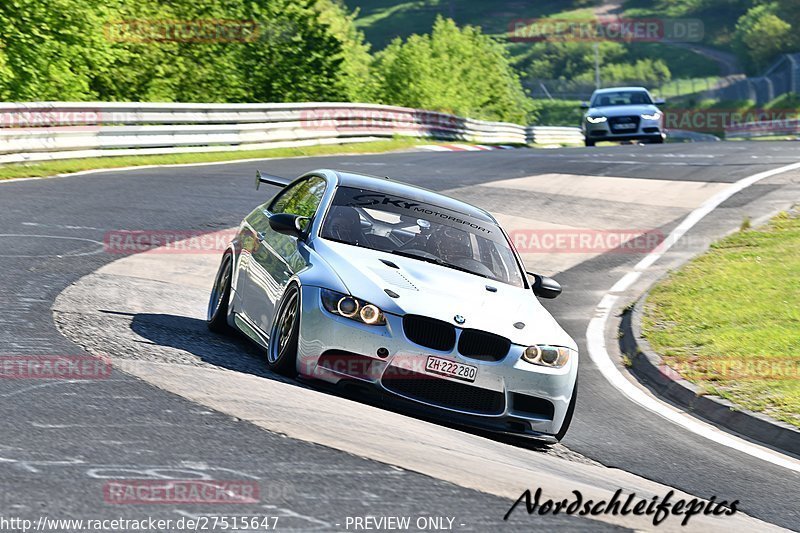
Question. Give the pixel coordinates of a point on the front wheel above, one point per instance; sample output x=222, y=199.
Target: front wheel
x=587, y=142
x=217, y=317
x=284, y=334
x=570, y=411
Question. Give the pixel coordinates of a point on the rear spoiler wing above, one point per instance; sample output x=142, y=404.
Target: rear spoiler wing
x=270, y=180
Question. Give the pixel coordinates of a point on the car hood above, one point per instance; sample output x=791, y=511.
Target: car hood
x=623, y=110
x=442, y=293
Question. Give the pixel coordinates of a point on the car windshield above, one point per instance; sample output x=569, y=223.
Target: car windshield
x=621, y=98
x=422, y=231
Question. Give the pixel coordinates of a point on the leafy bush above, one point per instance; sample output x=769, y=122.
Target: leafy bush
x=760, y=36
x=575, y=61
x=295, y=50
x=558, y=112
x=51, y=50
x=68, y=50
x=788, y=101
x=456, y=70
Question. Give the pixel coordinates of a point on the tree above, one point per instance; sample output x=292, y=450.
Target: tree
x=760, y=36
x=455, y=70
x=297, y=59
x=358, y=83
x=50, y=50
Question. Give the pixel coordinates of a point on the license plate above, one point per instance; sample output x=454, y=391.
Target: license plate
x=626, y=126
x=445, y=367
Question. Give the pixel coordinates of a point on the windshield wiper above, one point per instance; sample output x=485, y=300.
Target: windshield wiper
x=437, y=261
x=403, y=253
x=462, y=269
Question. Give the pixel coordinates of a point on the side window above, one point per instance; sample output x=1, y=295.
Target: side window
x=301, y=199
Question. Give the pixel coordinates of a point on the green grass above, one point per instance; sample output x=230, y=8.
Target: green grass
x=765, y=138
x=718, y=20
x=677, y=87
x=730, y=320
x=682, y=63
x=50, y=168
x=785, y=102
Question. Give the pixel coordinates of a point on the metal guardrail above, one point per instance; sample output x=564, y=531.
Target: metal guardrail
x=767, y=128
x=554, y=135
x=40, y=131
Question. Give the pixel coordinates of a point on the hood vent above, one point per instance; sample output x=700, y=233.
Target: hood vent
x=395, y=278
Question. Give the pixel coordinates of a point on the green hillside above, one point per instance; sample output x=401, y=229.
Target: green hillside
x=383, y=20
x=737, y=35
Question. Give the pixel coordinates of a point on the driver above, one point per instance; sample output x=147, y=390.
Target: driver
x=450, y=244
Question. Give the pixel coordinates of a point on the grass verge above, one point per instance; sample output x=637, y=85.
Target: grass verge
x=51, y=168
x=729, y=321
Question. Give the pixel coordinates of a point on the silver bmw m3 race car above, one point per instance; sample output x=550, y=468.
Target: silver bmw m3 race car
x=359, y=280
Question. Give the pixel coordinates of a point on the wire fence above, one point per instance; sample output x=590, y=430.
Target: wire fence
x=582, y=90
x=781, y=78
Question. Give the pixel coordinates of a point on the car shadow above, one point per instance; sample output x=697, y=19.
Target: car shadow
x=191, y=335
x=235, y=352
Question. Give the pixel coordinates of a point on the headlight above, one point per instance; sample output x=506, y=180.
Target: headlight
x=654, y=116
x=352, y=308
x=596, y=120
x=545, y=355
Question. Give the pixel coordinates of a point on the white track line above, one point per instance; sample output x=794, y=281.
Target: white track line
x=595, y=335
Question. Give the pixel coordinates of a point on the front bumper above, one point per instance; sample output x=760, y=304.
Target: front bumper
x=607, y=131
x=508, y=396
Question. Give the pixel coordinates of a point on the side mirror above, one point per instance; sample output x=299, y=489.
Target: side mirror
x=584, y=105
x=659, y=101
x=545, y=287
x=288, y=224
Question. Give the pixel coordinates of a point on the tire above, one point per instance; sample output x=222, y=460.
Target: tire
x=658, y=140
x=570, y=411
x=284, y=334
x=587, y=142
x=217, y=316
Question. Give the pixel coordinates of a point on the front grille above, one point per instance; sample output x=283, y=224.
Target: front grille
x=616, y=124
x=482, y=345
x=429, y=332
x=444, y=393
x=533, y=406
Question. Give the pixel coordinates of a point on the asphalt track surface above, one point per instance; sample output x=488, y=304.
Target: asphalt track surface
x=60, y=440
